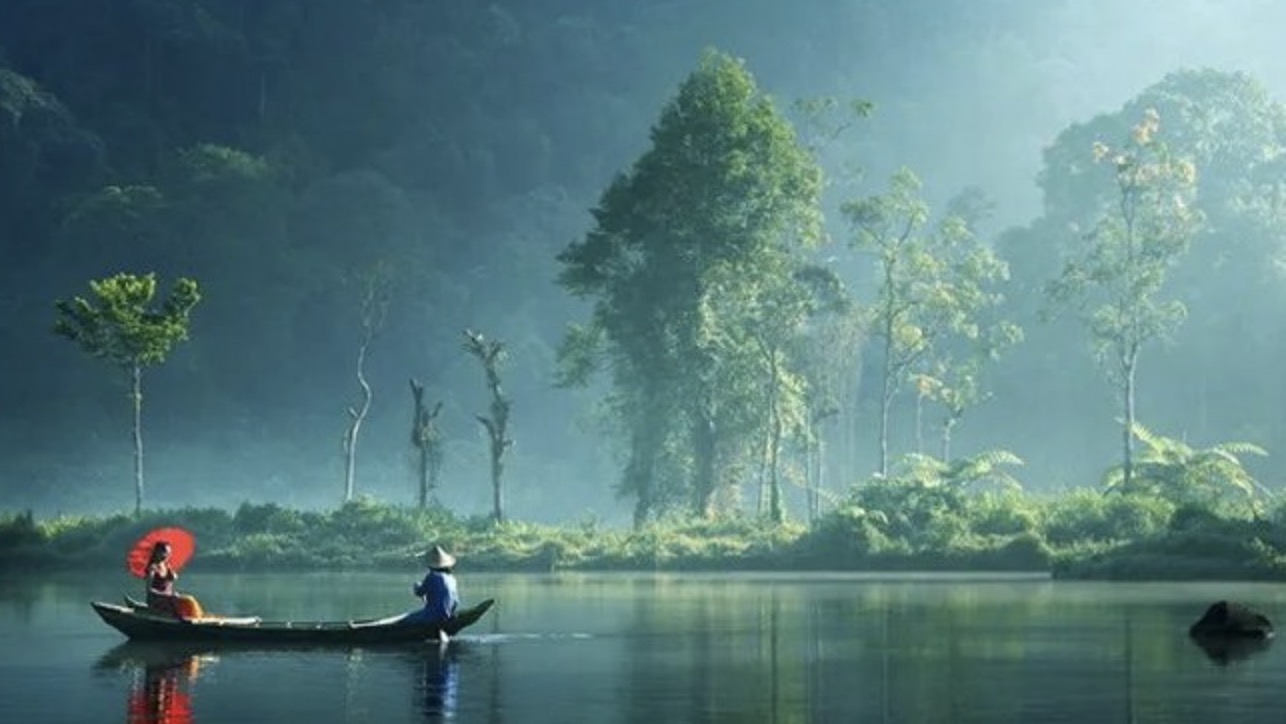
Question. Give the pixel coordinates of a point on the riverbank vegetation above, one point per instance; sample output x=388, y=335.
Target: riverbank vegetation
x=900, y=524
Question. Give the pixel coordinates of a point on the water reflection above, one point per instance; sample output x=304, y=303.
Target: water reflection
x=896, y=653
x=19, y=600
x=160, y=690
x=440, y=683
x=1224, y=650
x=717, y=649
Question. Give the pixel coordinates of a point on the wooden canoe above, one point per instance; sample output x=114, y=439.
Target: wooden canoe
x=144, y=625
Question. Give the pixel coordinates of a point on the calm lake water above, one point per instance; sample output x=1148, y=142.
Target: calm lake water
x=659, y=648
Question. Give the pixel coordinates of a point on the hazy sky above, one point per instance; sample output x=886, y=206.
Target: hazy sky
x=980, y=110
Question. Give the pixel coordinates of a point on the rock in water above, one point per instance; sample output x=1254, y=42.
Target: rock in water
x=1230, y=619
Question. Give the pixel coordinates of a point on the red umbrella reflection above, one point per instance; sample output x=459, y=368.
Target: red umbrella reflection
x=162, y=698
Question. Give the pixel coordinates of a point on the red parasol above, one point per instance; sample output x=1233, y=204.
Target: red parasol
x=182, y=546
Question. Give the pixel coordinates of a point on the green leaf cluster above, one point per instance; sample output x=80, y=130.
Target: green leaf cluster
x=1212, y=477
x=121, y=323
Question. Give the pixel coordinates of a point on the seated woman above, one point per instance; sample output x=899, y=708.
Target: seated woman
x=438, y=589
x=161, y=596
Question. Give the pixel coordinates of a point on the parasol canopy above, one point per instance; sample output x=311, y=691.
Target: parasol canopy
x=182, y=546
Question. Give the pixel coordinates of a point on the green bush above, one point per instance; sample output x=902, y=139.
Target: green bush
x=1087, y=515
x=367, y=523
x=267, y=518
x=845, y=535
x=1003, y=513
x=262, y=551
x=907, y=508
x=1026, y=552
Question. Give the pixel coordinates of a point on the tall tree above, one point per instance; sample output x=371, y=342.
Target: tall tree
x=930, y=283
x=490, y=353
x=829, y=358
x=891, y=226
x=1121, y=269
x=976, y=335
x=703, y=217
x=777, y=322
x=121, y=324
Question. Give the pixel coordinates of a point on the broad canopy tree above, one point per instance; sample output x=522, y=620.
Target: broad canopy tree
x=121, y=324
x=707, y=218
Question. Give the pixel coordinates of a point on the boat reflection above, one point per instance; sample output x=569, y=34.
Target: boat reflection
x=161, y=677
x=160, y=690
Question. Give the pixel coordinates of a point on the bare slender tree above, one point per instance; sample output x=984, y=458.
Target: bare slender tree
x=374, y=309
x=491, y=353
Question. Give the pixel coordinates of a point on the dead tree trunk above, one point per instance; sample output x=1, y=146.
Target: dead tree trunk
x=428, y=440
x=491, y=354
x=374, y=305
x=356, y=415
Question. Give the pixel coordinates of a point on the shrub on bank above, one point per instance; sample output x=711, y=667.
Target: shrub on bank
x=1184, y=555
x=1085, y=515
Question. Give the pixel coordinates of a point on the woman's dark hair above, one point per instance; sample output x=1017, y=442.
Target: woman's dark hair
x=157, y=547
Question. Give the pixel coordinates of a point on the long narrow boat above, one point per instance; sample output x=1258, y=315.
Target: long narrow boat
x=140, y=624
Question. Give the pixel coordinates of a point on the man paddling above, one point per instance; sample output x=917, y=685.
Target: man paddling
x=438, y=589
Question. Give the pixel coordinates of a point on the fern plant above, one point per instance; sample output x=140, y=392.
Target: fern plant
x=960, y=473
x=1174, y=470
x=926, y=500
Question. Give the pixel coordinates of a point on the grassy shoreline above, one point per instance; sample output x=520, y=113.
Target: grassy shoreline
x=368, y=534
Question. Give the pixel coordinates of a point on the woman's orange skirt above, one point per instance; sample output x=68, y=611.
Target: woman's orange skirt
x=188, y=607
x=181, y=605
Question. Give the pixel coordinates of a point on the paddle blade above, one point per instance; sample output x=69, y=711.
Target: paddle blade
x=182, y=546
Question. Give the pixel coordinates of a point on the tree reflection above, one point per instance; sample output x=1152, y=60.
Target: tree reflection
x=887, y=652
x=739, y=655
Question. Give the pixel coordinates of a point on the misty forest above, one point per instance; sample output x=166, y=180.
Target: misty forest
x=579, y=283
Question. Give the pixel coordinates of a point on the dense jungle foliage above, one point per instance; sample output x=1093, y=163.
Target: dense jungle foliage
x=681, y=304
x=924, y=528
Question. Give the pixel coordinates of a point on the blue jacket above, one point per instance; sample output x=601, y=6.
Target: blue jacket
x=438, y=590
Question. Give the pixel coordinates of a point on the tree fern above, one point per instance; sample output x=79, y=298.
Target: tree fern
x=960, y=473
x=1175, y=470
